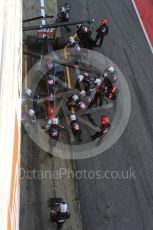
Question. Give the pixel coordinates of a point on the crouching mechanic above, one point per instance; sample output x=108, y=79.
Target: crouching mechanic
x=75, y=50
x=75, y=125
x=55, y=129
x=83, y=82
x=103, y=128
x=110, y=73
x=31, y=116
x=86, y=97
x=73, y=43
x=110, y=91
x=28, y=96
x=64, y=16
x=64, y=209
x=76, y=103
x=60, y=213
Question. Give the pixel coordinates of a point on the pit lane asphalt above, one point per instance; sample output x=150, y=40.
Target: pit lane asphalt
x=125, y=204
x=35, y=192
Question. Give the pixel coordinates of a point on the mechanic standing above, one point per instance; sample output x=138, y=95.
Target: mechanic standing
x=103, y=128
x=99, y=93
x=102, y=31
x=84, y=34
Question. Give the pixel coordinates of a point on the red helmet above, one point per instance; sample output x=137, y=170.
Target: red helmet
x=105, y=120
x=104, y=21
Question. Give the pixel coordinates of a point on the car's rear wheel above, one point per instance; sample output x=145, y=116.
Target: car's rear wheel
x=60, y=43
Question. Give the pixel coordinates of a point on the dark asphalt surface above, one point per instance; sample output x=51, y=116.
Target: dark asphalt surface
x=125, y=204
x=106, y=204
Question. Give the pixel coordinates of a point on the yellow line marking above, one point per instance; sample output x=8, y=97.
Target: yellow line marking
x=67, y=70
x=65, y=54
x=72, y=110
x=75, y=35
x=68, y=75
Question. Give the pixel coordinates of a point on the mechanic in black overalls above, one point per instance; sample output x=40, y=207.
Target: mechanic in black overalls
x=102, y=31
x=99, y=93
x=55, y=129
x=84, y=81
x=75, y=125
x=110, y=91
x=103, y=128
x=84, y=34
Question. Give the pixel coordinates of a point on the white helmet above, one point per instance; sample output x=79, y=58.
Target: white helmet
x=98, y=81
x=28, y=92
x=83, y=93
x=111, y=69
x=78, y=25
x=71, y=40
x=72, y=117
x=63, y=207
x=55, y=121
x=106, y=74
x=49, y=121
x=31, y=112
x=85, y=74
x=62, y=9
x=80, y=77
x=75, y=97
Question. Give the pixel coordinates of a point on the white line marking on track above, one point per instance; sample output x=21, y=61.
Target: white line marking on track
x=43, y=12
x=144, y=30
x=43, y=22
x=42, y=3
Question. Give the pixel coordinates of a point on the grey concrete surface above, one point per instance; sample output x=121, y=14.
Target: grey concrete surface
x=43, y=178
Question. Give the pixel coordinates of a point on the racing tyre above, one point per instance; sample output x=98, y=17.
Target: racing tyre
x=60, y=43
